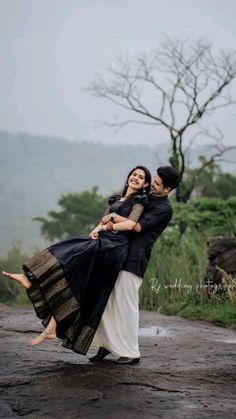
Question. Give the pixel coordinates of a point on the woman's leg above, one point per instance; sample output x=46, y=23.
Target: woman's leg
x=21, y=278
x=48, y=333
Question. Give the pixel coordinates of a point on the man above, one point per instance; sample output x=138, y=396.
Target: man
x=118, y=329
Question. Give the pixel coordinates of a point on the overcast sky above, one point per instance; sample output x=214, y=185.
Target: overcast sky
x=50, y=49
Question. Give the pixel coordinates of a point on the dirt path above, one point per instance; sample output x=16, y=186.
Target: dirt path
x=188, y=370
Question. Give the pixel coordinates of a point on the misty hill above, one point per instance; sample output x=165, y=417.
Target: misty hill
x=35, y=171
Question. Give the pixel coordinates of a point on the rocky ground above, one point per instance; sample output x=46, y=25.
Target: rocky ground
x=187, y=370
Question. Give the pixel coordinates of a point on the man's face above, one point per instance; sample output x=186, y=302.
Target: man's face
x=157, y=187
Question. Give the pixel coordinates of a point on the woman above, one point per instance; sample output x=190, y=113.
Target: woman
x=69, y=283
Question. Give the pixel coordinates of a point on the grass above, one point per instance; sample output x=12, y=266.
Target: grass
x=174, y=283
x=220, y=311
x=21, y=300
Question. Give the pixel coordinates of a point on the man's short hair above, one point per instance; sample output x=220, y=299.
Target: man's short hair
x=169, y=176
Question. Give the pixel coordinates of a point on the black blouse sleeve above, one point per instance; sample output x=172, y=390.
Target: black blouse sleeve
x=111, y=200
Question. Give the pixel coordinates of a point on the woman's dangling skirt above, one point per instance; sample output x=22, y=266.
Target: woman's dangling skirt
x=72, y=280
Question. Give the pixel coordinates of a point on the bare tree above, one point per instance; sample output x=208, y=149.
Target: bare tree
x=175, y=86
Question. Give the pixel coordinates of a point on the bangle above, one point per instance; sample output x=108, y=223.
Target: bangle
x=109, y=226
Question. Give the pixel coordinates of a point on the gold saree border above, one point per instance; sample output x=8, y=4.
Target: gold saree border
x=51, y=294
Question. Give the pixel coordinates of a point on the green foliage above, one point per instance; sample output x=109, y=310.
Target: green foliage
x=80, y=213
x=209, y=181
x=217, y=309
x=222, y=185
x=176, y=270
x=209, y=216
x=174, y=281
x=12, y=263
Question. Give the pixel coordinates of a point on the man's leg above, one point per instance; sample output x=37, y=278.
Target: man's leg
x=118, y=329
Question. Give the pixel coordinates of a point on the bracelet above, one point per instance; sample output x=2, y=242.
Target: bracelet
x=109, y=226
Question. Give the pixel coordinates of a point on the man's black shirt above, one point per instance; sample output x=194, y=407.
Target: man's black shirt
x=155, y=219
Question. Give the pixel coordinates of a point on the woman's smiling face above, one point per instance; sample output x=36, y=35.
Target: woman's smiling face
x=137, y=179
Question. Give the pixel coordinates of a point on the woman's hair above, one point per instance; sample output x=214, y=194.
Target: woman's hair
x=148, y=180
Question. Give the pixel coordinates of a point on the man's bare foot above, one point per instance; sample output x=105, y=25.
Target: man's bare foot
x=19, y=278
x=44, y=335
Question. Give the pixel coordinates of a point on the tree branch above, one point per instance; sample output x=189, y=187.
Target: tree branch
x=174, y=86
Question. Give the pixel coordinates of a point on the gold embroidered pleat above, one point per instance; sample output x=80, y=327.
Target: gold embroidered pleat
x=51, y=294
x=84, y=340
x=58, y=287
x=39, y=302
x=41, y=263
x=66, y=309
x=81, y=341
x=76, y=325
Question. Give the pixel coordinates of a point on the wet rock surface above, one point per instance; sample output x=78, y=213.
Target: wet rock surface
x=187, y=370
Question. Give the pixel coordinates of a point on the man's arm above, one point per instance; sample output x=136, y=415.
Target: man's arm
x=129, y=223
x=154, y=218
x=119, y=223
x=149, y=219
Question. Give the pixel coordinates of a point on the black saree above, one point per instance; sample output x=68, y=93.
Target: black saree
x=72, y=280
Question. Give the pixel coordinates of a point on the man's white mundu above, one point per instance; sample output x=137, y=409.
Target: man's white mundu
x=118, y=328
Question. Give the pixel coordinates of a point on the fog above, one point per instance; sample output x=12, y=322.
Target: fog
x=51, y=49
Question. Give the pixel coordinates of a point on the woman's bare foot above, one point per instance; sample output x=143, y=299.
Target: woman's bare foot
x=44, y=335
x=48, y=333
x=19, y=278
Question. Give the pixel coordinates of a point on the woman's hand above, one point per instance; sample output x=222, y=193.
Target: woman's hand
x=95, y=232
x=93, y=235
x=106, y=219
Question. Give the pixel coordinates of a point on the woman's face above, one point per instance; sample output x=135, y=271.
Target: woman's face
x=136, y=180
